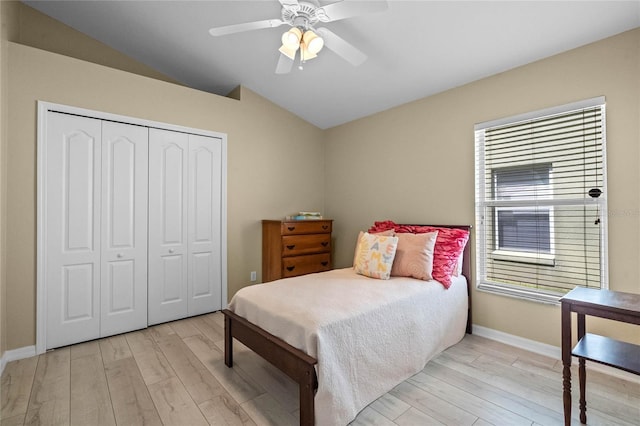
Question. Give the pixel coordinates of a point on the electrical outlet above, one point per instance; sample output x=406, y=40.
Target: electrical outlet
x=253, y=276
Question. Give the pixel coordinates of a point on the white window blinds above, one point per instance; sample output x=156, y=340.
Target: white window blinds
x=540, y=199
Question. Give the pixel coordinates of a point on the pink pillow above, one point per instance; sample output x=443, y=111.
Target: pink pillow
x=414, y=256
x=449, y=246
x=382, y=226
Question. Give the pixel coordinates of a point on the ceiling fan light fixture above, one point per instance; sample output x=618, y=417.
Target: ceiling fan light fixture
x=291, y=39
x=313, y=42
x=290, y=53
x=305, y=53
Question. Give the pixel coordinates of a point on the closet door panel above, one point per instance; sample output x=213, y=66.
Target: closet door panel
x=172, y=280
x=173, y=194
x=119, y=292
x=201, y=268
x=72, y=233
x=124, y=228
x=205, y=279
x=78, y=286
x=168, y=251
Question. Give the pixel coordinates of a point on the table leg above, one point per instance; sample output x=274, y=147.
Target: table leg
x=566, y=362
x=583, y=380
x=228, y=342
x=582, y=373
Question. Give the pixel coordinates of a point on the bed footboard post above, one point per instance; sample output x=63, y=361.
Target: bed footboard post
x=228, y=342
x=308, y=386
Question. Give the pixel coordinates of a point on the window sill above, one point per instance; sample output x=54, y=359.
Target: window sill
x=523, y=257
x=520, y=293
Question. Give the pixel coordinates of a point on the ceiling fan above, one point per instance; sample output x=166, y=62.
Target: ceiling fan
x=303, y=39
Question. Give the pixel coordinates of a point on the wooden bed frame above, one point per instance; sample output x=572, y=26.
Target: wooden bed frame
x=294, y=362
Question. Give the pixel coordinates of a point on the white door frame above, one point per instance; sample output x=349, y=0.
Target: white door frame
x=43, y=109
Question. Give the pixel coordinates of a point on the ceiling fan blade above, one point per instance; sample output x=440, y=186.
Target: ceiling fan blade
x=284, y=64
x=346, y=9
x=341, y=47
x=247, y=26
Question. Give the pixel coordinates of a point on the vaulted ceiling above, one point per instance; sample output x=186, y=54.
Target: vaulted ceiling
x=414, y=48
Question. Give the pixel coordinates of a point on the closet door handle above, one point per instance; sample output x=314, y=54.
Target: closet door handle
x=290, y=268
x=290, y=247
x=171, y=250
x=119, y=255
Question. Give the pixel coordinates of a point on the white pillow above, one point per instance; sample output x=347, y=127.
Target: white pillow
x=374, y=255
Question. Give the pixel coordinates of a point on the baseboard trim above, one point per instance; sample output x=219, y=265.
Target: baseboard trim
x=547, y=350
x=519, y=342
x=16, y=354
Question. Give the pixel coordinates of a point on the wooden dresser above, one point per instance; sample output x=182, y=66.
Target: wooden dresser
x=295, y=247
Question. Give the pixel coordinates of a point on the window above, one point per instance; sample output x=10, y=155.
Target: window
x=523, y=229
x=540, y=192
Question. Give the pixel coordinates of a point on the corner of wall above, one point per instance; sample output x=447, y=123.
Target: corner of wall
x=236, y=93
x=36, y=29
x=7, y=24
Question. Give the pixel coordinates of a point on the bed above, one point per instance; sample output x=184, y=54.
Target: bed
x=358, y=338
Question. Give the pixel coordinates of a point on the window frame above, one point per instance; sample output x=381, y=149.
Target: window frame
x=542, y=259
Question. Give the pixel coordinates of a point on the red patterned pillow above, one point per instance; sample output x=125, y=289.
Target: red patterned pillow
x=382, y=226
x=449, y=246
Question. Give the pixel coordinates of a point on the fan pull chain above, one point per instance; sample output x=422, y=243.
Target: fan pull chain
x=302, y=61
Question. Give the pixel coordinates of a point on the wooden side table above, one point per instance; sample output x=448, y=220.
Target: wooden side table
x=614, y=305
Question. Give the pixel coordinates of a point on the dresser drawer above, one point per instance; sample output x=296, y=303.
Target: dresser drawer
x=300, y=265
x=306, y=227
x=295, y=245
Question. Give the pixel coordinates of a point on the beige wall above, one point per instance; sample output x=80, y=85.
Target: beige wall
x=267, y=148
x=415, y=164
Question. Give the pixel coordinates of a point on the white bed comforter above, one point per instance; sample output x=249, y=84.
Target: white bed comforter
x=368, y=335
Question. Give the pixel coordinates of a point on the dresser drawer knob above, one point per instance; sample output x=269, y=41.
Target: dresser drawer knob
x=291, y=228
x=325, y=226
x=324, y=244
x=324, y=263
x=290, y=268
x=291, y=246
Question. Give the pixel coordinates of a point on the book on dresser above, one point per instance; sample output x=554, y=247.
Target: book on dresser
x=295, y=247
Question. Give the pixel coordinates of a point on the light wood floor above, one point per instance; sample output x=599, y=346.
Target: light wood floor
x=174, y=374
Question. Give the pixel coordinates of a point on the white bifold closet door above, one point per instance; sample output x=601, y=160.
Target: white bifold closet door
x=96, y=228
x=185, y=275
x=124, y=228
